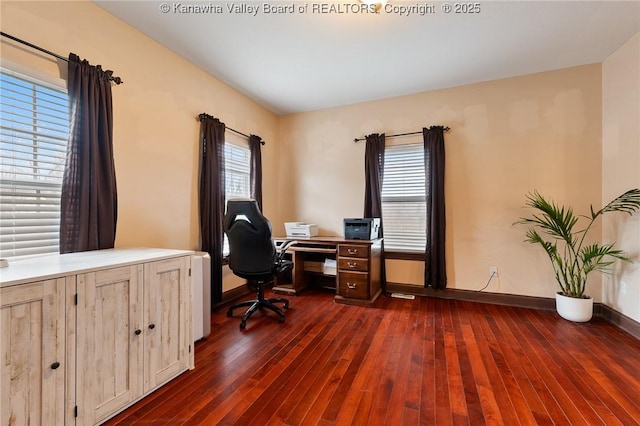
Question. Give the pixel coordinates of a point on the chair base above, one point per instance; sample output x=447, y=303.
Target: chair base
x=259, y=304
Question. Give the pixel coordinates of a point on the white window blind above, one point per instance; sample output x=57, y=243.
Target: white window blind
x=403, y=198
x=34, y=129
x=237, y=169
x=237, y=165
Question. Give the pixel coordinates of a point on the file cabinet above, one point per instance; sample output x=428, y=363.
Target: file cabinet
x=359, y=270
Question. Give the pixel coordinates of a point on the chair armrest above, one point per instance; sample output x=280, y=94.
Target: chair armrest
x=282, y=248
x=281, y=264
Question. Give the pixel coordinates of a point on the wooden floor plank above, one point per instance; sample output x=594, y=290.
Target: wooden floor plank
x=314, y=356
x=443, y=412
x=614, y=404
x=453, y=374
x=472, y=398
x=497, y=372
x=273, y=372
x=402, y=362
x=543, y=404
x=390, y=367
x=337, y=347
x=517, y=372
x=428, y=391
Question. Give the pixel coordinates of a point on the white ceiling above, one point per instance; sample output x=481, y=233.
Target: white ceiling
x=308, y=61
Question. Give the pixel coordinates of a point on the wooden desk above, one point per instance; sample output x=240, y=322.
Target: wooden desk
x=356, y=279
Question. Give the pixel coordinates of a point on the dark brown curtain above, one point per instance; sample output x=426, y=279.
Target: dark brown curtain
x=435, y=273
x=212, y=197
x=374, y=171
x=255, y=143
x=89, y=202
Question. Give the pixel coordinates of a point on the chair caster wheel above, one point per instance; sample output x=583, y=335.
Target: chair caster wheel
x=243, y=325
x=286, y=306
x=229, y=312
x=281, y=319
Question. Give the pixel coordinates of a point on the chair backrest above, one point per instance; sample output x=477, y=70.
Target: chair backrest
x=251, y=249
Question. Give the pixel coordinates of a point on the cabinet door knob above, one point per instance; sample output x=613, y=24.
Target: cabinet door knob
x=352, y=286
x=152, y=326
x=138, y=332
x=55, y=365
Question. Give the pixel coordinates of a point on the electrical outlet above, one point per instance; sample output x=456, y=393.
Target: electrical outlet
x=493, y=271
x=623, y=288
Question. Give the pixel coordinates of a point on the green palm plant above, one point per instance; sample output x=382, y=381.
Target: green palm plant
x=573, y=260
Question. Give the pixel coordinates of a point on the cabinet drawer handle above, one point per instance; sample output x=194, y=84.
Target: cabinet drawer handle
x=352, y=265
x=137, y=332
x=55, y=365
x=352, y=251
x=352, y=286
x=152, y=326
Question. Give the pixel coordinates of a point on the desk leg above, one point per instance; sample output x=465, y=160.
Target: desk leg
x=298, y=271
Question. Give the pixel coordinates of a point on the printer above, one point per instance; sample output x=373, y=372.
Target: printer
x=300, y=229
x=361, y=228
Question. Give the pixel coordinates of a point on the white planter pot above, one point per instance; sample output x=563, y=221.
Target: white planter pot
x=574, y=309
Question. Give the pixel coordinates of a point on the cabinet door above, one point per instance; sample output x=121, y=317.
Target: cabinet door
x=167, y=325
x=110, y=341
x=33, y=353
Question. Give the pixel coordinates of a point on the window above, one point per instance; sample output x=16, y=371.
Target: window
x=237, y=176
x=34, y=129
x=237, y=168
x=403, y=198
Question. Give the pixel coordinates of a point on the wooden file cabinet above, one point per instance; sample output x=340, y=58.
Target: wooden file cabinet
x=358, y=272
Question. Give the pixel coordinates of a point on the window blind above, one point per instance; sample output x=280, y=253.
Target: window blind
x=237, y=169
x=403, y=198
x=237, y=165
x=34, y=130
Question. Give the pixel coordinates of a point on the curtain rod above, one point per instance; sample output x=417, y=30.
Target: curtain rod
x=203, y=115
x=446, y=129
x=116, y=80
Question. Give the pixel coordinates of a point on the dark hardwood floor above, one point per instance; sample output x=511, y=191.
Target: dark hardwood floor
x=404, y=362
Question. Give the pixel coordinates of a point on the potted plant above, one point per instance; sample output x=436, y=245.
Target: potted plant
x=555, y=229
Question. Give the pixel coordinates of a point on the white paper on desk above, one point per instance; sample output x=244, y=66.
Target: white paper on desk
x=330, y=266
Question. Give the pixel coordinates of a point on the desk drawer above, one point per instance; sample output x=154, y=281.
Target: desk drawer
x=353, y=285
x=353, y=250
x=353, y=264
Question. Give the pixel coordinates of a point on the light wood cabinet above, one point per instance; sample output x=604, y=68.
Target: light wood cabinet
x=88, y=341
x=110, y=341
x=167, y=321
x=33, y=365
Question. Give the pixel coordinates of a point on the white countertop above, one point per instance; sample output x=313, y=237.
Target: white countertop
x=59, y=265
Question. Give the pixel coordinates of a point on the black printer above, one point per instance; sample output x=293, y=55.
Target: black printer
x=361, y=228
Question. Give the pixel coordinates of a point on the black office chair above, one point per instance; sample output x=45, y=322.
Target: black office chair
x=253, y=255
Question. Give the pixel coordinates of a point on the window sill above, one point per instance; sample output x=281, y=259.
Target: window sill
x=404, y=255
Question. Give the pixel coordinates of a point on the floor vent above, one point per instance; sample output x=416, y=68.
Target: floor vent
x=403, y=296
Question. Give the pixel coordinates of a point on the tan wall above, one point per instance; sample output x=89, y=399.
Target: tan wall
x=621, y=170
x=155, y=130
x=507, y=137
